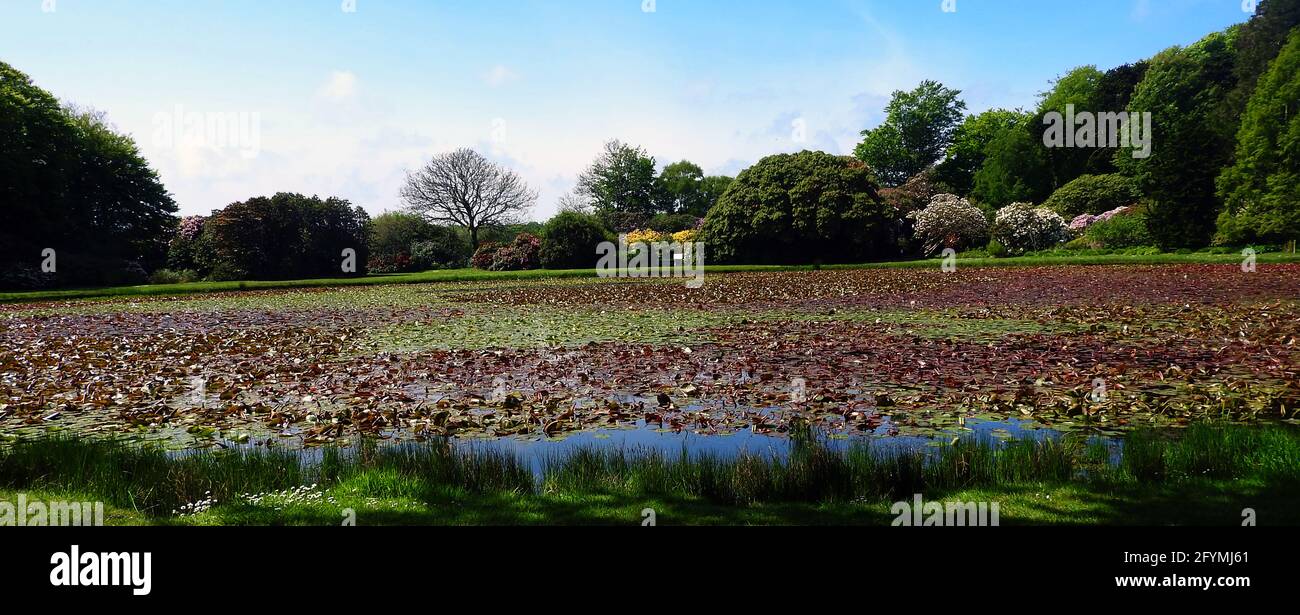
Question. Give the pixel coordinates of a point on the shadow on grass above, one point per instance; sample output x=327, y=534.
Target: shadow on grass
x=1195, y=502
x=500, y=509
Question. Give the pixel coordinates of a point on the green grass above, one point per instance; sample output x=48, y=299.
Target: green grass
x=1206, y=474
x=444, y=275
x=471, y=275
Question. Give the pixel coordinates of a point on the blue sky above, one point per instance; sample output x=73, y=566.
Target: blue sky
x=344, y=102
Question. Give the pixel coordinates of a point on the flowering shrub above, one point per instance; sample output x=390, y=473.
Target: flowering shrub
x=647, y=236
x=485, y=255
x=182, y=251
x=1092, y=194
x=949, y=221
x=1123, y=229
x=1023, y=228
x=191, y=227
x=1119, y=211
x=914, y=195
x=522, y=253
x=397, y=263
x=1081, y=223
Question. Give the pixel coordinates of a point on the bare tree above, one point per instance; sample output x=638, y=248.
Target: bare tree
x=575, y=202
x=468, y=190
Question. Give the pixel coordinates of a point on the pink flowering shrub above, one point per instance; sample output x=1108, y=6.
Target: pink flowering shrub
x=1118, y=211
x=1081, y=223
x=191, y=227
x=521, y=254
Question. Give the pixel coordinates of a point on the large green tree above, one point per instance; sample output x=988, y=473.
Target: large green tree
x=622, y=179
x=1262, y=188
x=970, y=142
x=799, y=208
x=285, y=236
x=71, y=183
x=683, y=188
x=1015, y=168
x=1260, y=40
x=1077, y=90
x=1186, y=91
x=917, y=131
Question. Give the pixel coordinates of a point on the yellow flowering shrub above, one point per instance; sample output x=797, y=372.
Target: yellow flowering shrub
x=646, y=236
x=652, y=236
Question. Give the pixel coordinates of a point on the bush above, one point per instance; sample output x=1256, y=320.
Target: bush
x=1121, y=231
x=521, y=255
x=1083, y=222
x=171, y=276
x=570, y=241
x=447, y=251
x=1079, y=243
x=23, y=276
x=1023, y=228
x=914, y=195
x=673, y=223
x=949, y=221
x=1093, y=194
x=800, y=208
x=997, y=250
x=403, y=242
x=398, y=263
x=901, y=202
x=485, y=255
x=183, y=250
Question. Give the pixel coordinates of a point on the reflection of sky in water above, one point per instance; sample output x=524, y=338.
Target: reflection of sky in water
x=536, y=451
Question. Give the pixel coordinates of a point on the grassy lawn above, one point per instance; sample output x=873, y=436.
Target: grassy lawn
x=470, y=275
x=1206, y=475
x=1193, y=503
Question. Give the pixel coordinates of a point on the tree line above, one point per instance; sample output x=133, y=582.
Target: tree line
x=1223, y=168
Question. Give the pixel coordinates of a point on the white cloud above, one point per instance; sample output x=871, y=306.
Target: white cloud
x=499, y=75
x=341, y=86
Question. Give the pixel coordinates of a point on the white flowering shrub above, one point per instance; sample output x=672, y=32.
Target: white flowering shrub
x=949, y=221
x=1021, y=227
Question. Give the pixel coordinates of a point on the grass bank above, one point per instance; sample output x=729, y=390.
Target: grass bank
x=1204, y=475
x=469, y=275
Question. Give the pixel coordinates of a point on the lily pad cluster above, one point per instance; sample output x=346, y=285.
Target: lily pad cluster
x=856, y=353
